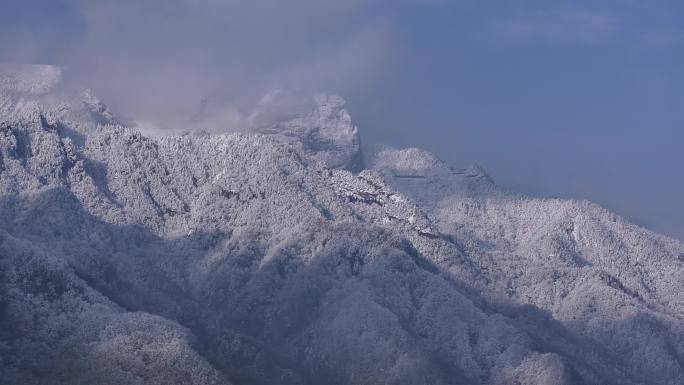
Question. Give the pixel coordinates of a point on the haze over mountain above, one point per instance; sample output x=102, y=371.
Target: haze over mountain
x=554, y=98
x=281, y=255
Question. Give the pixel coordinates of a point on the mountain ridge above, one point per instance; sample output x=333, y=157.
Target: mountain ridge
x=273, y=258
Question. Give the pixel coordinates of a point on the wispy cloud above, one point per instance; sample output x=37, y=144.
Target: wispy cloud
x=559, y=26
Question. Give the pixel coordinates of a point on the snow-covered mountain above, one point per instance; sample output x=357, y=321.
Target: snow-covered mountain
x=277, y=257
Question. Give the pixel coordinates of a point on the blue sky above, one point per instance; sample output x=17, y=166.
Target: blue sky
x=574, y=99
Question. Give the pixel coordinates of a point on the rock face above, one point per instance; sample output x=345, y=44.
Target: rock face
x=262, y=259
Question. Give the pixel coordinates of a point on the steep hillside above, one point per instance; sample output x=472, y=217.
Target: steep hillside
x=276, y=257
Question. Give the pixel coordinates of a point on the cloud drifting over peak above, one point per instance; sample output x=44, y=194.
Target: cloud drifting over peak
x=228, y=54
x=539, y=92
x=159, y=61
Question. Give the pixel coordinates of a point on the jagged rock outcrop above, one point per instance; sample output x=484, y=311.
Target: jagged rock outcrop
x=270, y=258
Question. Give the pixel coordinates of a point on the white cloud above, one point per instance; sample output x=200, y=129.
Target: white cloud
x=559, y=26
x=158, y=60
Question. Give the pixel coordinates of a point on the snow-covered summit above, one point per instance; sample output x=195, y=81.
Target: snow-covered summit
x=326, y=132
x=428, y=180
x=32, y=93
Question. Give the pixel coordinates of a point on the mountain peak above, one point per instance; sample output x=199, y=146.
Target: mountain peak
x=326, y=132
